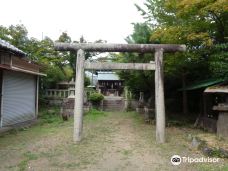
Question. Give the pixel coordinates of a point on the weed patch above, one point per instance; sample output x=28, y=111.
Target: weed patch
x=28, y=156
x=50, y=116
x=94, y=114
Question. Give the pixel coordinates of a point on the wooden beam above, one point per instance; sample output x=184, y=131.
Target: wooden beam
x=102, y=47
x=159, y=97
x=79, y=96
x=119, y=66
x=13, y=68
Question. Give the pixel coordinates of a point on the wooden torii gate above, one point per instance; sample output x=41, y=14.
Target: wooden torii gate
x=81, y=65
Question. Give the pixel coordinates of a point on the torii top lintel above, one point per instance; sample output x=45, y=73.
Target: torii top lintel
x=102, y=47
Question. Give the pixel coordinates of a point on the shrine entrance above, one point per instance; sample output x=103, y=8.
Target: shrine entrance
x=157, y=65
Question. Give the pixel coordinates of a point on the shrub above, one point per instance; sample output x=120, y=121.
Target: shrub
x=87, y=81
x=50, y=116
x=96, y=98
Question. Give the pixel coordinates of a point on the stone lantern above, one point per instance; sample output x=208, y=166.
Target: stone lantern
x=71, y=89
x=222, y=123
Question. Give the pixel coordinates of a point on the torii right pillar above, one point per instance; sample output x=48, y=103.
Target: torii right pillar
x=159, y=96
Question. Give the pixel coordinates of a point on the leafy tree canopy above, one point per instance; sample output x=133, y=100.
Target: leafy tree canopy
x=199, y=24
x=57, y=65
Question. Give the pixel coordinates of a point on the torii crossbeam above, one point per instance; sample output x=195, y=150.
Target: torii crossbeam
x=81, y=65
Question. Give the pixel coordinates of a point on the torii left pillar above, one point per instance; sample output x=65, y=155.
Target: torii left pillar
x=159, y=96
x=79, y=95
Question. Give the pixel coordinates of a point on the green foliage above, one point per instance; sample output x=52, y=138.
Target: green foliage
x=96, y=97
x=197, y=20
x=50, y=116
x=28, y=156
x=53, y=63
x=216, y=152
x=57, y=65
x=54, y=75
x=200, y=24
x=68, y=72
x=87, y=81
x=90, y=90
x=64, y=38
x=137, y=80
x=219, y=61
x=141, y=34
x=16, y=35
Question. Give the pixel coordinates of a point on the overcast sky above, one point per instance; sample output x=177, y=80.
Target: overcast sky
x=94, y=19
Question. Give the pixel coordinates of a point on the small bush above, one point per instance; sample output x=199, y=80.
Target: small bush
x=96, y=98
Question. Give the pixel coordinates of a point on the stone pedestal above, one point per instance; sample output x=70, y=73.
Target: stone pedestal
x=140, y=110
x=222, y=125
x=67, y=107
x=149, y=113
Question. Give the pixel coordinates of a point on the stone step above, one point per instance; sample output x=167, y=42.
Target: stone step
x=115, y=109
x=113, y=104
x=112, y=107
x=113, y=101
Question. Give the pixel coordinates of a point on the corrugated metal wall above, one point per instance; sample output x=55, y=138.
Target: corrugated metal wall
x=19, y=95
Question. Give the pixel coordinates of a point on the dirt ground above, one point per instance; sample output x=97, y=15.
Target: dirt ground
x=111, y=142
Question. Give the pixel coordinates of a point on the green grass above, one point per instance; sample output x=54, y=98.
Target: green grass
x=50, y=116
x=51, y=141
x=94, y=114
x=126, y=152
x=28, y=157
x=210, y=167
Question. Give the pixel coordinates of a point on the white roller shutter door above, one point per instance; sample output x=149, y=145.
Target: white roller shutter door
x=19, y=95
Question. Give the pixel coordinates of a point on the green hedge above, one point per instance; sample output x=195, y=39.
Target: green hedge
x=96, y=97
